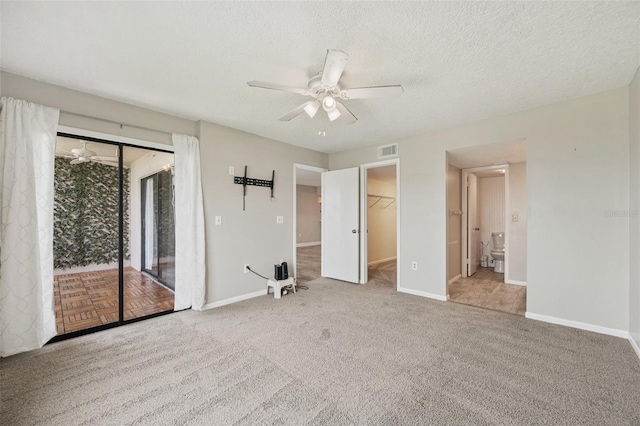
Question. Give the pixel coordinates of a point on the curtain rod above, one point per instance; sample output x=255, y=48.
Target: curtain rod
x=122, y=125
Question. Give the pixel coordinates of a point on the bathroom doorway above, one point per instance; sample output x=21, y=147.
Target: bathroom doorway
x=486, y=227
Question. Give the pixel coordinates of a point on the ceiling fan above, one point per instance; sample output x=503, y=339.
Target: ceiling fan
x=84, y=155
x=326, y=91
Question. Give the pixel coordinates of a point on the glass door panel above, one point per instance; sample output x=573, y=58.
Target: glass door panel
x=86, y=234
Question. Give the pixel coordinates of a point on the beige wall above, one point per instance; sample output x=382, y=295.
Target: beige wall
x=307, y=214
x=577, y=168
x=517, y=230
x=72, y=101
x=454, y=203
x=634, y=208
x=249, y=237
x=381, y=221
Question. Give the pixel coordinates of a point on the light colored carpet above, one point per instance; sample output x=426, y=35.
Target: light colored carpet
x=335, y=354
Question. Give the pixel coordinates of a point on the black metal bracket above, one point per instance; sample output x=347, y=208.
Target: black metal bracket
x=244, y=181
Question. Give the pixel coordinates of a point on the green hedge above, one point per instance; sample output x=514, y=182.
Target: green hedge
x=85, y=214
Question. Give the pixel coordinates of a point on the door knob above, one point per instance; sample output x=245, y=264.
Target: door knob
x=353, y=231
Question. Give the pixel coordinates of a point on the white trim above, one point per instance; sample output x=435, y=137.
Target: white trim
x=294, y=222
x=422, y=294
x=454, y=279
x=634, y=345
x=363, y=218
x=515, y=282
x=312, y=243
x=115, y=138
x=577, y=324
x=377, y=262
x=234, y=299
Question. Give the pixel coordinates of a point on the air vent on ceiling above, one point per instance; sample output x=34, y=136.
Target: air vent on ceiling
x=387, y=151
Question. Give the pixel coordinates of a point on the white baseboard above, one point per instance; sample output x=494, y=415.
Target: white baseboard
x=577, y=324
x=234, y=299
x=454, y=279
x=514, y=282
x=376, y=262
x=423, y=294
x=312, y=243
x=634, y=345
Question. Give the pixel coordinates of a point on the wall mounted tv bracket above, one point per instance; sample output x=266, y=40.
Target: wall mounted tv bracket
x=244, y=181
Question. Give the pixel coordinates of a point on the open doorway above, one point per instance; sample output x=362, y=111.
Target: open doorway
x=486, y=226
x=380, y=217
x=307, y=223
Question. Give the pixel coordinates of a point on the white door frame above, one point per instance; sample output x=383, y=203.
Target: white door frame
x=297, y=166
x=363, y=217
x=463, y=225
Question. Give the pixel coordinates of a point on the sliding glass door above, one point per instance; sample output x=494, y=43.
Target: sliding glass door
x=114, y=233
x=158, y=229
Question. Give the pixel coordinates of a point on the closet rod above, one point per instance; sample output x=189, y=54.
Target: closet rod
x=104, y=120
x=381, y=196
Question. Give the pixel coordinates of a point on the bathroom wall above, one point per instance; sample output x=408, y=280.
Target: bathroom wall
x=381, y=221
x=491, y=208
x=454, y=203
x=517, y=229
x=307, y=214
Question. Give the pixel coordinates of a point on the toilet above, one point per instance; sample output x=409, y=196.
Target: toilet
x=498, y=251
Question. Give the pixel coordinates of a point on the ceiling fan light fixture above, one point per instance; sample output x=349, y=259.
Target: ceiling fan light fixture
x=333, y=115
x=312, y=108
x=329, y=104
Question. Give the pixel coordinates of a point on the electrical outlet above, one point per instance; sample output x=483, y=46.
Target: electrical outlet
x=218, y=220
x=279, y=220
x=414, y=265
x=245, y=268
x=232, y=170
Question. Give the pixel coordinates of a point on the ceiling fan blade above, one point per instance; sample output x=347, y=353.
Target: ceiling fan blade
x=334, y=65
x=295, y=112
x=371, y=92
x=106, y=163
x=346, y=115
x=103, y=158
x=273, y=86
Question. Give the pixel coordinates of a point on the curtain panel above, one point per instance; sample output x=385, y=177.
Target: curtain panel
x=189, y=225
x=27, y=153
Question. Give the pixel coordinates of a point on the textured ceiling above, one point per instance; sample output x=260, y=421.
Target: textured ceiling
x=458, y=61
x=487, y=155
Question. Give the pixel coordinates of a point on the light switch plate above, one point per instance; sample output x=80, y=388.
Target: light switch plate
x=218, y=220
x=232, y=170
x=279, y=220
x=514, y=217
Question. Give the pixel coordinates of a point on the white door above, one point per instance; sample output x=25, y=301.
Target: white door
x=473, y=225
x=340, y=224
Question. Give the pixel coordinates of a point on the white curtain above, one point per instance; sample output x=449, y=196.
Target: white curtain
x=189, y=211
x=27, y=151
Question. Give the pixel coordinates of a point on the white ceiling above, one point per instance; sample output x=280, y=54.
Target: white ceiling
x=458, y=61
x=129, y=154
x=386, y=173
x=487, y=155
